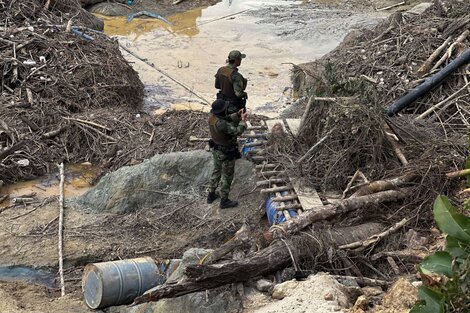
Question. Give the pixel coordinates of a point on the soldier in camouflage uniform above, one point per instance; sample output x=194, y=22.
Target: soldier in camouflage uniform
x=224, y=129
x=231, y=83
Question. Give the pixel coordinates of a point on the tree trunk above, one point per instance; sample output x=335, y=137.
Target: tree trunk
x=268, y=260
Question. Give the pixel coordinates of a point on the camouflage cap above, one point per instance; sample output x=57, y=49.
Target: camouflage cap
x=235, y=54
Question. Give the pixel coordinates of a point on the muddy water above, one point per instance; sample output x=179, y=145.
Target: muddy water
x=28, y=275
x=274, y=34
x=78, y=178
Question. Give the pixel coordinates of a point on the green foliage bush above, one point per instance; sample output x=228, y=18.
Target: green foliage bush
x=446, y=274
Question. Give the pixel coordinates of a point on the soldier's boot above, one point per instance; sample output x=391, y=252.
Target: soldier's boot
x=212, y=196
x=226, y=203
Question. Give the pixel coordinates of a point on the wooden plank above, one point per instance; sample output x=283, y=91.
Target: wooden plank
x=285, y=198
x=267, y=166
x=308, y=197
x=294, y=125
x=276, y=189
x=271, y=123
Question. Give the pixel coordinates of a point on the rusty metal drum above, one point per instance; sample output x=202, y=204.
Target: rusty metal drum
x=119, y=282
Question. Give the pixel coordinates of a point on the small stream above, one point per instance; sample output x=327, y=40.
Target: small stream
x=28, y=275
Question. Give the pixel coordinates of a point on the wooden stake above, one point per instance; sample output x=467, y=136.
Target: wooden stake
x=61, y=222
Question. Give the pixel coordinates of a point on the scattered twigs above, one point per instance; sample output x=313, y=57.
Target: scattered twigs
x=374, y=239
x=427, y=64
x=87, y=122
x=319, y=142
x=61, y=222
x=439, y=104
x=447, y=55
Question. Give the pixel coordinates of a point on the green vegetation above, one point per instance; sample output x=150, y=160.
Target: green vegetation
x=445, y=273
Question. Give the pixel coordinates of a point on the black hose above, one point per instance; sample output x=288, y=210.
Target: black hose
x=429, y=84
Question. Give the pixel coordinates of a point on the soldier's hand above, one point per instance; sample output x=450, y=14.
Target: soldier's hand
x=243, y=115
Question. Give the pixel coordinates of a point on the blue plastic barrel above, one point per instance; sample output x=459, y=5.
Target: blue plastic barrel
x=274, y=216
x=246, y=149
x=166, y=268
x=120, y=282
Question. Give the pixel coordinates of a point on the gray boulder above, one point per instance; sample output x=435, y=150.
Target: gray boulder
x=179, y=174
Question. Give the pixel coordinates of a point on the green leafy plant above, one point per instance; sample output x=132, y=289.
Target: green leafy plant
x=446, y=274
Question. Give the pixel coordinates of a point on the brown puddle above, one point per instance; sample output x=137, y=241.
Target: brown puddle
x=78, y=178
x=274, y=35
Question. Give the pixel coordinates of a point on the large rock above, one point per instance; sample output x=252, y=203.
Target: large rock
x=319, y=293
x=191, y=256
x=147, y=184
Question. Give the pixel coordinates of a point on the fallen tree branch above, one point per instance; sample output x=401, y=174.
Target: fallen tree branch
x=240, y=239
x=377, y=237
x=324, y=212
x=386, y=184
x=427, y=64
x=438, y=105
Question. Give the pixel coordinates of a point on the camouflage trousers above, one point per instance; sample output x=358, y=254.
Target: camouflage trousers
x=222, y=175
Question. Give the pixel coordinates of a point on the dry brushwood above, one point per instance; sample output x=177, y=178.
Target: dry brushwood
x=79, y=102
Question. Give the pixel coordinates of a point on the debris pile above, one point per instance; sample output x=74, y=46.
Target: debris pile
x=72, y=96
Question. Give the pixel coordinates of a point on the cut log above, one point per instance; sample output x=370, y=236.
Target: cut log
x=268, y=260
x=286, y=207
